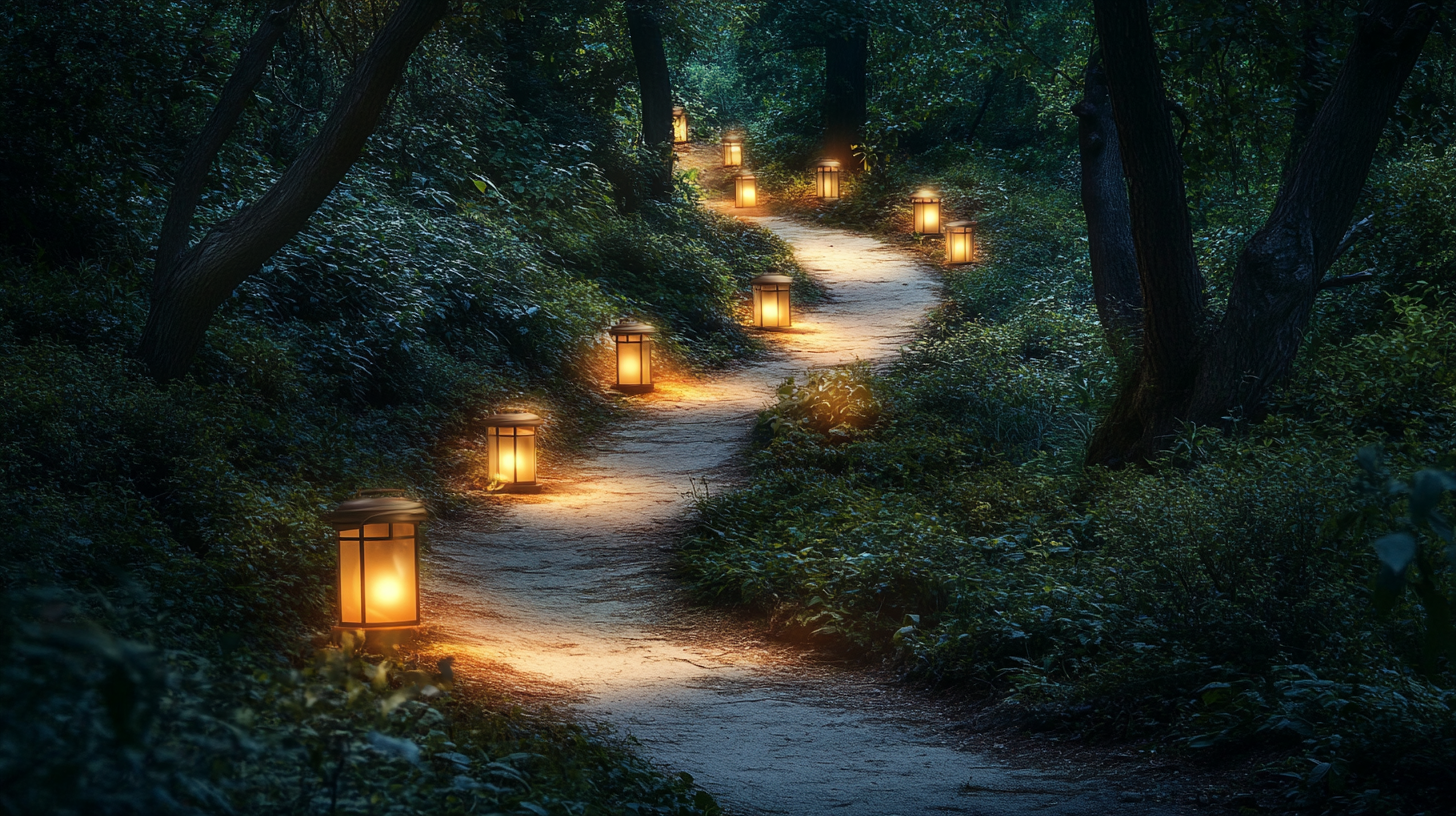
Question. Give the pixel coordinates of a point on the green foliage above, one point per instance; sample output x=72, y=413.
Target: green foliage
x=1226, y=598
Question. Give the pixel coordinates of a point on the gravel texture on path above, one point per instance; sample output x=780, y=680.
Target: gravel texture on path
x=567, y=592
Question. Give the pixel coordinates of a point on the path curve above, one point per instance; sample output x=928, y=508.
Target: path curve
x=567, y=590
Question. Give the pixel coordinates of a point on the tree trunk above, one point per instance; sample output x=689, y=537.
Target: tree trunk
x=1187, y=372
x=993, y=85
x=645, y=31
x=845, y=61
x=204, y=276
x=1312, y=83
x=1104, y=202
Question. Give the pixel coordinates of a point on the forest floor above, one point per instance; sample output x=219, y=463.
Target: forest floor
x=565, y=598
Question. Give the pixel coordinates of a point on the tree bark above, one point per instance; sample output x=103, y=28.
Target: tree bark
x=845, y=61
x=1312, y=81
x=192, y=175
x=1115, y=284
x=205, y=275
x=645, y=30
x=1189, y=373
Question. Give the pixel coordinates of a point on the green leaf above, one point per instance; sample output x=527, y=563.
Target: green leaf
x=1396, y=551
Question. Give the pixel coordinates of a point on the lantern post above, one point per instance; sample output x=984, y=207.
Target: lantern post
x=732, y=149
x=378, y=533
x=960, y=242
x=634, y=356
x=826, y=179
x=925, y=212
x=745, y=190
x=510, y=448
x=772, y=306
x=679, y=125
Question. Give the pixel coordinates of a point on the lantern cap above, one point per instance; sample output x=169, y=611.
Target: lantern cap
x=512, y=418
x=731, y=136
x=629, y=327
x=828, y=163
x=678, y=110
x=925, y=195
x=772, y=278
x=744, y=174
x=954, y=224
x=376, y=507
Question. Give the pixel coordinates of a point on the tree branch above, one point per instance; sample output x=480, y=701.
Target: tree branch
x=192, y=175
x=1347, y=280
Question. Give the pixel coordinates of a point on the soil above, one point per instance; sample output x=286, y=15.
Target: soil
x=565, y=597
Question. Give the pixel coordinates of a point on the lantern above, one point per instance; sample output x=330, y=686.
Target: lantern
x=771, y=306
x=634, y=356
x=379, y=560
x=732, y=150
x=510, y=451
x=745, y=190
x=679, y=125
x=925, y=213
x=826, y=178
x=960, y=242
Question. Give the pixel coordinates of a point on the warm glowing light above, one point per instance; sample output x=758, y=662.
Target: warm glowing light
x=634, y=356
x=732, y=149
x=960, y=242
x=745, y=190
x=386, y=591
x=378, y=560
x=826, y=179
x=925, y=212
x=772, y=307
x=510, y=439
x=679, y=125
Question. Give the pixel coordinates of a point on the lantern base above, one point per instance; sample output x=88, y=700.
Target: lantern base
x=774, y=328
x=518, y=488
x=386, y=636
x=634, y=389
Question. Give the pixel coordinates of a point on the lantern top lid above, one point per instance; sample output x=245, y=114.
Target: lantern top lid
x=376, y=506
x=745, y=175
x=732, y=137
x=678, y=110
x=512, y=418
x=925, y=195
x=630, y=327
x=962, y=224
x=831, y=164
x=772, y=278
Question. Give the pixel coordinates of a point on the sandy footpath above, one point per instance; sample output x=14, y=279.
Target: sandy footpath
x=567, y=590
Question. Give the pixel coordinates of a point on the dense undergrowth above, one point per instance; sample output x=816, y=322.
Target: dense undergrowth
x=165, y=567
x=1223, y=599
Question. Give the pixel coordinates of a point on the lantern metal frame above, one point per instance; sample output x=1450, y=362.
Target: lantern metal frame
x=514, y=428
x=827, y=178
x=679, y=125
x=775, y=289
x=925, y=212
x=960, y=242
x=389, y=508
x=634, y=336
x=732, y=149
x=745, y=190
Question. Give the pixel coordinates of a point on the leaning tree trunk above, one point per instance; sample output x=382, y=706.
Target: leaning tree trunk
x=845, y=61
x=1104, y=202
x=1188, y=373
x=645, y=31
x=185, y=298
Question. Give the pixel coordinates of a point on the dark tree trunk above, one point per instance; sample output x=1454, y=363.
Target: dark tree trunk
x=845, y=61
x=1104, y=201
x=645, y=31
x=184, y=300
x=1312, y=83
x=1189, y=373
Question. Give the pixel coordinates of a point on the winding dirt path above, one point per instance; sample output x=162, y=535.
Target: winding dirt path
x=567, y=591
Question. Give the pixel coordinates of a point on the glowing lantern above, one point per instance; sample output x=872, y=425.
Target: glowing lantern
x=679, y=125
x=745, y=190
x=771, y=306
x=634, y=356
x=925, y=213
x=379, y=560
x=732, y=150
x=960, y=242
x=510, y=451
x=826, y=178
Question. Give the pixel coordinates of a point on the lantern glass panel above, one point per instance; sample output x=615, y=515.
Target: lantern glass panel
x=732, y=154
x=679, y=125
x=746, y=191
x=634, y=360
x=772, y=307
x=925, y=214
x=377, y=575
x=511, y=455
x=827, y=182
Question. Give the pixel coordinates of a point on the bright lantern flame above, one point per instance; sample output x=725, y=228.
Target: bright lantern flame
x=385, y=591
x=932, y=215
x=630, y=369
x=770, y=310
x=507, y=465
